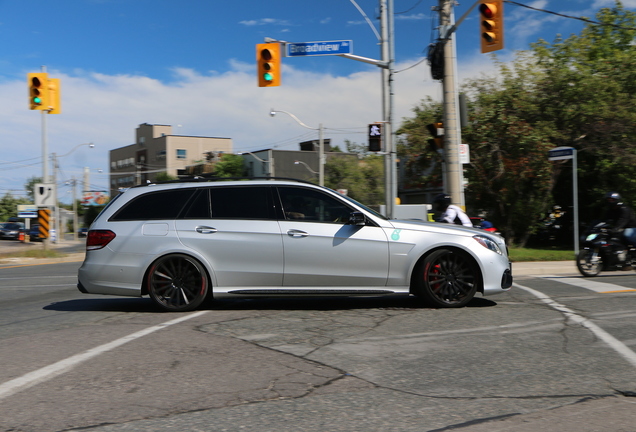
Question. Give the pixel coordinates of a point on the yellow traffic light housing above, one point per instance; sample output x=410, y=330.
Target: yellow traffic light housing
x=268, y=62
x=55, y=106
x=38, y=91
x=491, y=25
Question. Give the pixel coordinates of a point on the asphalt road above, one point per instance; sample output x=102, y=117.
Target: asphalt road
x=556, y=353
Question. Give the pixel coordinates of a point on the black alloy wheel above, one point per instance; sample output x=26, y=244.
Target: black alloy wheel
x=177, y=283
x=447, y=279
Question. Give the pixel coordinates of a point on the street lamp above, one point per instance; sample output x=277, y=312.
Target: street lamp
x=269, y=162
x=298, y=162
x=321, y=147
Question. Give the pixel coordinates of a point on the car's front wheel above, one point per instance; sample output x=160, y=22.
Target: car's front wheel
x=177, y=283
x=447, y=278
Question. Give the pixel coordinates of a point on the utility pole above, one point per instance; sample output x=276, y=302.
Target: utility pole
x=388, y=59
x=454, y=174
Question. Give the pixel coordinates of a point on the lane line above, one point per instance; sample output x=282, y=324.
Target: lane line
x=610, y=340
x=599, y=287
x=51, y=371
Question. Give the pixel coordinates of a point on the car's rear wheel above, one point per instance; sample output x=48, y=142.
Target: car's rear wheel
x=447, y=278
x=177, y=283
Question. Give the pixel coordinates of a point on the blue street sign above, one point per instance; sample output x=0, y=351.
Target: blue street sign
x=319, y=48
x=561, y=153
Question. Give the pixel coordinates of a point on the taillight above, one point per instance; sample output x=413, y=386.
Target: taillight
x=97, y=239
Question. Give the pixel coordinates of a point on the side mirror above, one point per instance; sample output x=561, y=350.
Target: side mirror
x=357, y=218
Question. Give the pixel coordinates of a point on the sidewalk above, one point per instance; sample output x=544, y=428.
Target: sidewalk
x=539, y=268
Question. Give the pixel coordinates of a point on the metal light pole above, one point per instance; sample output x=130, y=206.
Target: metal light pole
x=321, y=143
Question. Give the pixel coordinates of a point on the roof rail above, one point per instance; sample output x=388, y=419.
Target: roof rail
x=209, y=178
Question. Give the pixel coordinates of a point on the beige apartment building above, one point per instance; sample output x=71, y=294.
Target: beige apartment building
x=157, y=150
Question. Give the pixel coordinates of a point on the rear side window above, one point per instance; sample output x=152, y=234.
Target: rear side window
x=242, y=202
x=154, y=205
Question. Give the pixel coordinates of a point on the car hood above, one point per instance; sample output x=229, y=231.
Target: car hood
x=420, y=225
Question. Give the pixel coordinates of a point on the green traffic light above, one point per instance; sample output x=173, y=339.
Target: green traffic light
x=268, y=76
x=37, y=101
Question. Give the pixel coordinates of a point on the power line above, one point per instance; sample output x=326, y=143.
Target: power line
x=587, y=20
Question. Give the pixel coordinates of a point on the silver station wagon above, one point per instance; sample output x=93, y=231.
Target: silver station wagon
x=184, y=242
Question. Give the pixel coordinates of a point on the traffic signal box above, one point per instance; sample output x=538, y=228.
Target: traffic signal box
x=491, y=25
x=268, y=62
x=38, y=90
x=55, y=106
x=375, y=137
x=437, y=131
x=44, y=93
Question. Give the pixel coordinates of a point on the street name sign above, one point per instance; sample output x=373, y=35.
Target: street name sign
x=561, y=153
x=319, y=48
x=27, y=211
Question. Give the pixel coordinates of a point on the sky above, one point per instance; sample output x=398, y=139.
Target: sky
x=191, y=64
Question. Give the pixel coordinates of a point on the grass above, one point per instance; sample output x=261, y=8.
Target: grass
x=34, y=253
x=527, y=254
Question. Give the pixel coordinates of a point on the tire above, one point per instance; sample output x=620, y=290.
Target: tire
x=589, y=262
x=447, y=279
x=177, y=283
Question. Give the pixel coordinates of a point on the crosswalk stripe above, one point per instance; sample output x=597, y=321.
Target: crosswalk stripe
x=592, y=285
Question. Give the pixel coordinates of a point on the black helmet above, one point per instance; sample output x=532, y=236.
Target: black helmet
x=442, y=201
x=613, y=198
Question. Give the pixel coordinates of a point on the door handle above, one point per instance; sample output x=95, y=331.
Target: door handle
x=205, y=230
x=297, y=233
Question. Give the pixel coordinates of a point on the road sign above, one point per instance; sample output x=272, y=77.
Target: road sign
x=319, y=48
x=561, y=153
x=44, y=194
x=464, y=153
x=27, y=211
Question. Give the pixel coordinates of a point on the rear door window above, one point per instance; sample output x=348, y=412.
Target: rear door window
x=154, y=205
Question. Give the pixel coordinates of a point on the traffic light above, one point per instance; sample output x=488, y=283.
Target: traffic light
x=491, y=25
x=55, y=106
x=437, y=131
x=268, y=62
x=375, y=137
x=38, y=90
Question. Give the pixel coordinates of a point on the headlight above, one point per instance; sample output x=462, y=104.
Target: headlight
x=488, y=243
x=591, y=237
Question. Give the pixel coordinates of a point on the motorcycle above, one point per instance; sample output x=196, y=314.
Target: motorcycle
x=604, y=250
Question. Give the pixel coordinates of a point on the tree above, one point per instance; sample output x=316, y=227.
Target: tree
x=362, y=178
x=578, y=92
x=230, y=165
x=164, y=176
x=9, y=206
x=29, y=186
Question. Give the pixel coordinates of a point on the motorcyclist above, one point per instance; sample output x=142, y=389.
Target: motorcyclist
x=450, y=213
x=621, y=217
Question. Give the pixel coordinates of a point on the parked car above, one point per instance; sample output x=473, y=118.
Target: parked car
x=11, y=230
x=184, y=242
x=82, y=232
x=34, y=233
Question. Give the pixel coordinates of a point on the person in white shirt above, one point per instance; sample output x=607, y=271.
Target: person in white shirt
x=450, y=213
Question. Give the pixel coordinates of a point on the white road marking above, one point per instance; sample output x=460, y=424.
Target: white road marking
x=51, y=371
x=610, y=340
